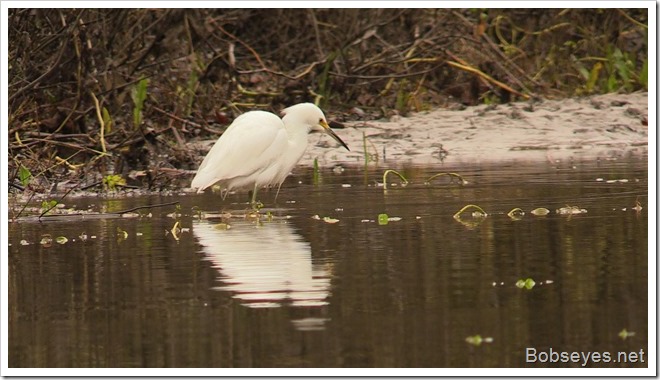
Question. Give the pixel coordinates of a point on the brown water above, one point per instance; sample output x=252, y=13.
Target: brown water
x=299, y=292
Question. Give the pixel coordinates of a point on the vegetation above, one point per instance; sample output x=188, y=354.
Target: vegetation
x=99, y=93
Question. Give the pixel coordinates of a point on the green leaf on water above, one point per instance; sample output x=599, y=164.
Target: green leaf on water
x=541, y=211
x=46, y=240
x=61, y=239
x=121, y=234
x=624, y=334
x=526, y=283
x=383, y=219
x=477, y=340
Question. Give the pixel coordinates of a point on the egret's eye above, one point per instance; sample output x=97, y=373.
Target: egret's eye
x=320, y=121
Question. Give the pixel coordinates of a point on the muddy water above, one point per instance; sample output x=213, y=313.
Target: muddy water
x=297, y=291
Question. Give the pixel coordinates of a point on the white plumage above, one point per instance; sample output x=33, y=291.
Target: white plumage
x=260, y=149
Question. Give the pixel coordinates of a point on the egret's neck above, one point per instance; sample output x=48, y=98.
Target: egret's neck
x=297, y=132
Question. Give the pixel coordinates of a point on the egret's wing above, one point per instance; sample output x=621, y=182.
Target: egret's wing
x=252, y=143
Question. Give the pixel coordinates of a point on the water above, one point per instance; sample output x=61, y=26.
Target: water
x=296, y=291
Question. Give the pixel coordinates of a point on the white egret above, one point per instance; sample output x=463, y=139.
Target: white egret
x=260, y=149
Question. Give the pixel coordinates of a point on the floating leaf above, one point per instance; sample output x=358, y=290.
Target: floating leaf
x=625, y=334
x=176, y=231
x=571, y=210
x=526, y=283
x=516, y=214
x=477, y=340
x=121, y=234
x=541, y=211
x=61, y=240
x=46, y=240
x=383, y=219
x=330, y=220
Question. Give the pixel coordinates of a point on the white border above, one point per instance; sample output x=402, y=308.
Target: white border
x=651, y=209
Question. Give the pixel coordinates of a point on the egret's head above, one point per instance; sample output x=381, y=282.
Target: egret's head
x=310, y=116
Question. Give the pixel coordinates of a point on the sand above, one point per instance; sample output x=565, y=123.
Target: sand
x=596, y=127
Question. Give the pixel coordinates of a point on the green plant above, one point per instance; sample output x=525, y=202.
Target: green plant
x=527, y=283
x=383, y=219
x=323, y=81
x=48, y=205
x=316, y=174
x=24, y=175
x=111, y=181
x=403, y=97
x=139, y=95
x=107, y=120
x=388, y=171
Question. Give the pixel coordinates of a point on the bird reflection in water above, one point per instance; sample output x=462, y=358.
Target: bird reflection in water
x=265, y=266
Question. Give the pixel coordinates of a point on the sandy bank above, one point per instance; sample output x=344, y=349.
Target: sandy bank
x=601, y=126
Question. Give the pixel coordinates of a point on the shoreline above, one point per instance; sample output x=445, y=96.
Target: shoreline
x=599, y=126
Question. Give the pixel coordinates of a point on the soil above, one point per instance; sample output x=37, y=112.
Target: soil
x=602, y=126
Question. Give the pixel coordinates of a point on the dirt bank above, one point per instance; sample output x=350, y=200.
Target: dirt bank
x=600, y=126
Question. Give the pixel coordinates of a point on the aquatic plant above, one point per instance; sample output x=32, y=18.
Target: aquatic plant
x=516, y=213
x=479, y=213
x=387, y=172
x=527, y=283
x=460, y=178
x=477, y=340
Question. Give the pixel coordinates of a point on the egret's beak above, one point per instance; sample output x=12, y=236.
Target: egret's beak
x=332, y=133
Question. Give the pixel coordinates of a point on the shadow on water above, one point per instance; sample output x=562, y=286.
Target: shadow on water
x=296, y=291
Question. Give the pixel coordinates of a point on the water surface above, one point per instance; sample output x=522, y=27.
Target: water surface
x=296, y=291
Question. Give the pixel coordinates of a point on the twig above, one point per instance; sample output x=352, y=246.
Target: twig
x=55, y=65
x=16, y=186
x=61, y=143
x=281, y=74
x=254, y=53
x=315, y=24
x=25, y=206
x=57, y=202
x=388, y=76
x=141, y=207
x=487, y=77
x=624, y=14
x=101, y=122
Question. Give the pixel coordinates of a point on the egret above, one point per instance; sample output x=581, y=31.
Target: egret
x=259, y=149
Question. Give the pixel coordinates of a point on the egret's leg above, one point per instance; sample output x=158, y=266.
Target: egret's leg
x=254, y=196
x=278, y=191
